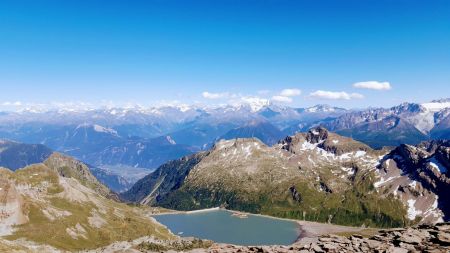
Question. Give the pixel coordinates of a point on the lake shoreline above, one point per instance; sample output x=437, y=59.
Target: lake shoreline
x=308, y=231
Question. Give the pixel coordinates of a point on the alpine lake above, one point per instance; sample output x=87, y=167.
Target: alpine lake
x=224, y=226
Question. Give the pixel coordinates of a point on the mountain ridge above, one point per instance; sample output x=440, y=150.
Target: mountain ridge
x=286, y=180
x=58, y=205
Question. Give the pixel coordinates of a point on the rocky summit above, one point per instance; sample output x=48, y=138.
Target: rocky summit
x=418, y=175
x=58, y=205
x=317, y=176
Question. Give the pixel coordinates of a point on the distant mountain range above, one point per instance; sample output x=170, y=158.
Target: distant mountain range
x=14, y=156
x=261, y=130
x=196, y=125
x=406, y=123
x=145, y=138
x=100, y=146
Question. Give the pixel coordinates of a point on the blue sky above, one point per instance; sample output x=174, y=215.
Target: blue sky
x=151, y=51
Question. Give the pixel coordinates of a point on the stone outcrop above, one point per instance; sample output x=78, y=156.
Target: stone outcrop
x=69, y=167
x=325, y=140
x=428, y=164
x=424, y=238
x=435, y=238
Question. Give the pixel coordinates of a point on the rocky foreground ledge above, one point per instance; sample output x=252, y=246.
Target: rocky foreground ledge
x=418, y=239
x=424, y=238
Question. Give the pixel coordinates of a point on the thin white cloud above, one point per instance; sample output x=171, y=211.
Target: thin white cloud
x=335, y=95
x=210, y=95
x=282, y=99
x=7, y=103
x=290, y=92
x=373, y=85
x=286, y=95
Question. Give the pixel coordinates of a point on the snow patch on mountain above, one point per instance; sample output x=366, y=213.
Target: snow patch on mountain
x=102, y=129
x=436, y=105
x=382, y=181
x=323, y=108
x=437, y=165
x=424, y=121
x=360, y=153
x=170, y=140
x=308, y=146
x=412, y=211
x=434, y=211
x=253, y=104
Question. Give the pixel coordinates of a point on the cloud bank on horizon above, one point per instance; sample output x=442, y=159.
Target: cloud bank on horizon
x=284, y=96
x=288, y=95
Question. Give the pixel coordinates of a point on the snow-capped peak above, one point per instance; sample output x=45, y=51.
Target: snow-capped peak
x=255, y=103
x=102, y=129
x=323, y=108
x=437, y=105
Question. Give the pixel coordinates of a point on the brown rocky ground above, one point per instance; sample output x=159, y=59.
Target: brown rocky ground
x=424, y=238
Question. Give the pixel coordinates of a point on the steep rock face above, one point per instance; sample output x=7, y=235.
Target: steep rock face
x=68, y=167
x=167, y=178
x=443, y=155
x=418, y=175
x=325, y=140
x=317, y=176
x=442, y=129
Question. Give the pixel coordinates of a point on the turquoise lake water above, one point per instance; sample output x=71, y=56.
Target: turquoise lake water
x=221, y=226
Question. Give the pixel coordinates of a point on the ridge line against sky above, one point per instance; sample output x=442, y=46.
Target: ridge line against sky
x=351, y=54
